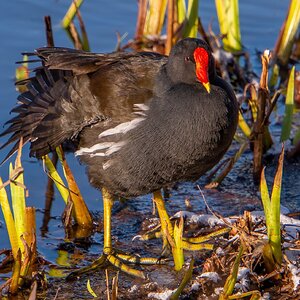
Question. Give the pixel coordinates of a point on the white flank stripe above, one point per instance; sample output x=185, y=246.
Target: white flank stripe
x=97, y=154
x=114, y=148
x=141, y=106
x=94, y=148
x=140, y=113
x=122, y=128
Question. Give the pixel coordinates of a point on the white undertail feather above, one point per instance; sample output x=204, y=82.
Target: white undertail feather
x=122, y=128
x=140, y=109
x=112, y=149
x=116, y=147
x=141, y=106
x=94, y=148
x=105, y=149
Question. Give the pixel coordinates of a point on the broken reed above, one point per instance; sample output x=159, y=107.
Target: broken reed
x=181, y=22
x=70, y=192
x=261, y=106
x=259, y=128
x=80, y=40
x=20, y=223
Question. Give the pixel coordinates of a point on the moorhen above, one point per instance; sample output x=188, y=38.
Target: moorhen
x=142, y=121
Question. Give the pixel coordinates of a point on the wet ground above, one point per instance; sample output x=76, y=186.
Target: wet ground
x=260, y=23
x=236, y=194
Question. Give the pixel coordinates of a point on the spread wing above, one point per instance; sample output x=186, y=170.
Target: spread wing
x=72, y=90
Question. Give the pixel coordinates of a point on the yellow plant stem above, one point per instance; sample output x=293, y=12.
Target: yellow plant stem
x=9, y=221
x=89, y=288
x=170, y=26
x=244, y=126
x=228, y=16
x=289, y=107
x=288, y=32
x=191, y=29
x=56, y=178
x=14, y=285
x=30, y=226
x=231, y=279
x=27, y=263
x=18, y=201
x=82, y=214
x=255, y=295
x=275, y=232
x=30, y=236
x=268, y=257
x=272, y=213
x=71, y=13
x=186, y=278
x=155, y=17
x=181, y=10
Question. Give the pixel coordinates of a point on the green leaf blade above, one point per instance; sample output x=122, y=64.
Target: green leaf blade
x=289, y=108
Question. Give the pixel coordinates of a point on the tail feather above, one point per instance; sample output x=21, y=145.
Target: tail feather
x=11, y=121
x=41, y=81
x=25, y=98
x=19, y=109
x=52, y=110
x=34, y=106
x=14, y=149
x=49, y=144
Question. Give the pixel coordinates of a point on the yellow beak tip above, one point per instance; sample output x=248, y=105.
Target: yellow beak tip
x=207, y=86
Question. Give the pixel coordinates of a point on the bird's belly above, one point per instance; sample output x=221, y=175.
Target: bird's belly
x=145, y=172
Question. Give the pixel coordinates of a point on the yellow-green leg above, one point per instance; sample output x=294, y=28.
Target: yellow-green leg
x=111, y=255
x=172, y=236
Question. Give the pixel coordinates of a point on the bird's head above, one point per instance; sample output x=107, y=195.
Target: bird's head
x=191, y=61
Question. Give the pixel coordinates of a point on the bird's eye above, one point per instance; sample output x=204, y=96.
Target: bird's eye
x=189, y=59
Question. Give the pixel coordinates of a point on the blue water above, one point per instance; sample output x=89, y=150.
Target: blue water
x=22, y=29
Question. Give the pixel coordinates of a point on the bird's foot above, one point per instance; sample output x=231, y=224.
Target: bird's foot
x=198, y=243
x=120, y=260
x=175, y=243
x=187, y=243
x=172, y=235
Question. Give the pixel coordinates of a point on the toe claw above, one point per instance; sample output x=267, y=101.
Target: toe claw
x=140, y=237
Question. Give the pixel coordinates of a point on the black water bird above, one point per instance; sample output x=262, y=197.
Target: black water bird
x=142, y=121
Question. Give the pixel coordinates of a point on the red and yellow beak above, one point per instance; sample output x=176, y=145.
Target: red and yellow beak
x=201, y=58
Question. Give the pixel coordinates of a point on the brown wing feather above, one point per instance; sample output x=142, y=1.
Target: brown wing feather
x=74, y=89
